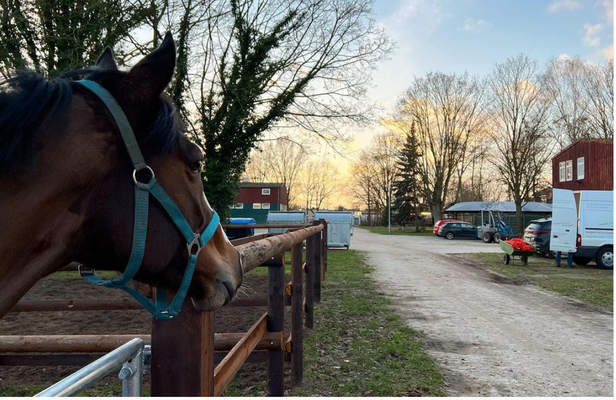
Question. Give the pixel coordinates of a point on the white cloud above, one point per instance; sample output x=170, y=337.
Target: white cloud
x=567, y=5
x=608, y=6
x=608, y=52
x=470, y=25
x=564, y=57
x=591, y=35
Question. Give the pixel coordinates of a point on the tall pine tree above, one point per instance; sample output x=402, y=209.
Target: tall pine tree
x=407, y=187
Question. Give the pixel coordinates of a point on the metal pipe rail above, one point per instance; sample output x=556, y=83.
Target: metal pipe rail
x=128, y=356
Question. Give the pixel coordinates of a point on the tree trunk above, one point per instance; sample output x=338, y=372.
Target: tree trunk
x=437, y=211
x=519, y=217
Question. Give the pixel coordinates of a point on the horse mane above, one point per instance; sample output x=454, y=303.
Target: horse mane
x=28, y=100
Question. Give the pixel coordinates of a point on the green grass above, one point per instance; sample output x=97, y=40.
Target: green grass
x=586, y=283
x=396, y=230
x=359, y=346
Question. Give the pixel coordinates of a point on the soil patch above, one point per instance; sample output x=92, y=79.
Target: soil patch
x=229, y=319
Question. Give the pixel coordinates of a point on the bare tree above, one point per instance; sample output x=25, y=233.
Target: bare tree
x=280, y=161
x=582, y=98
x=519, y=111
x=318, y=181
x=446, y=111
x=375, y=170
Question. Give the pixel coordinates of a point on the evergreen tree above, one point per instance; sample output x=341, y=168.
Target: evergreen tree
x=407, y=184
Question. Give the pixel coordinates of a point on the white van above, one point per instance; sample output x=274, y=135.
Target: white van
x=583, y=222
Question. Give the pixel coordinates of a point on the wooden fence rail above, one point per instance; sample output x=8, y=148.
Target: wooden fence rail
x=185, y=349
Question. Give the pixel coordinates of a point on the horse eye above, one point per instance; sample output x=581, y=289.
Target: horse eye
x=196, y=166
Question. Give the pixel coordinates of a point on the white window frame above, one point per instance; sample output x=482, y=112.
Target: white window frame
x=569, y=170
x=256, y=206
x=581, y=168
x=265, y=206
x=266, y=192
x=561, y=171
x=239, y=206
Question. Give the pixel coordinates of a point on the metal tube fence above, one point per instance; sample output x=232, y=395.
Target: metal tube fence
x=128, y=356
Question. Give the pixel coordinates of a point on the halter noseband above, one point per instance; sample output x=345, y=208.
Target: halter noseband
x=194, y=241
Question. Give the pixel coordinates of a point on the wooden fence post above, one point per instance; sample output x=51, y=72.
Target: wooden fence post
x=318, y=273
x=324, y=252
x=183, y=354
x=275, y=323
x=297, y=316
x=310, y=271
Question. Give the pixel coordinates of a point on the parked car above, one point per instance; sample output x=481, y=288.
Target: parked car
x=441, y=222
x=537, y=234
x=458, y=229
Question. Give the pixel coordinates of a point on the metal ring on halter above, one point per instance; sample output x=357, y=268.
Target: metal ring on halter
x=195, y=242
x=144, y=184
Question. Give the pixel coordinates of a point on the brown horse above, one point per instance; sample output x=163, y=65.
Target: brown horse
x=67, y=190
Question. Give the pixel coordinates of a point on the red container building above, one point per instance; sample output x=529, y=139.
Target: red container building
x=587, y=164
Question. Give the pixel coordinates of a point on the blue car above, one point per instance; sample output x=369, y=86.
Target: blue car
x=452, y=230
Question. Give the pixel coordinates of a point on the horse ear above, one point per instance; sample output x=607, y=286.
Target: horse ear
x=106, y=60
x=153, y=73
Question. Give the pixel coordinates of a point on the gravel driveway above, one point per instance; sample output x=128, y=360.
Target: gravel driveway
x=491, y=338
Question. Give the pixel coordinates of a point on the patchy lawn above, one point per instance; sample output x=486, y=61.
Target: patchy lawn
x=397, y=230
x=359, y=347
x=586, y=283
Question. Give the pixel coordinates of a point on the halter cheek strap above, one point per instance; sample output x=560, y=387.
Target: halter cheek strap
x=160, y=309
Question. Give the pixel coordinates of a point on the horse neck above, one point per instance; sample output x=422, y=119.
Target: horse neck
x=38, y=228
x=42, y=213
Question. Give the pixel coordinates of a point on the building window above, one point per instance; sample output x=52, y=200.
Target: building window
x=569, y=170
x=239, y=206
x=561, y=171
x=265, y=206
x=265, y=192
x=580, y=168
x=256, y=206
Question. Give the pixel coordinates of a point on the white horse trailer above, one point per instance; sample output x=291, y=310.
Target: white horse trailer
x=285, y=218
x=339, y=227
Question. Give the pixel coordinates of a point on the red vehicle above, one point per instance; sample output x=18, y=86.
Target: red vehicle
x=441, y=222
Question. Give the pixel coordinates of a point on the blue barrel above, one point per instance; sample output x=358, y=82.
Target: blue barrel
x=236, y=233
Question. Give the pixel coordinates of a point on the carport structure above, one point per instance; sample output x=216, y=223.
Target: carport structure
x=474, y=212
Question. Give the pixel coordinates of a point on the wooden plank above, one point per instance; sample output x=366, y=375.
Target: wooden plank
x=265, y=226
x=183, y=354
x=297, y=316
x=275, y=323
x=324, y=251
x=65, y=343
x=107, y=343
x=228, y=367
x=256, y=253
x=83, y=359
x=237, y=242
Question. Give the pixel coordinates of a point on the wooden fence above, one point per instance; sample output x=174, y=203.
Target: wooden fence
x=188, y=358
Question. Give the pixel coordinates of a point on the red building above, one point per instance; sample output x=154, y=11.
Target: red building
x=585, y=165
x=255, y=200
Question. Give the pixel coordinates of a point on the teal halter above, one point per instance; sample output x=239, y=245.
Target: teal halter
x=194, y=241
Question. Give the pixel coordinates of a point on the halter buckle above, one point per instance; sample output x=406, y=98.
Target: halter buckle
x=191, y=246
x=144, y=185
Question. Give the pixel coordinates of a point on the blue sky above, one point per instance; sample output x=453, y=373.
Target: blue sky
x=473, y=35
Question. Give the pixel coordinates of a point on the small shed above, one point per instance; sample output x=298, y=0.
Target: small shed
x=285, y=217
x=339, y=227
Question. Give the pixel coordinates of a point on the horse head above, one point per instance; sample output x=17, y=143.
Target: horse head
x=80, y=186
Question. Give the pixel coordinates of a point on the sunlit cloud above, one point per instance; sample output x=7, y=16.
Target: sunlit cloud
x=591, y=35
x=564, y=5
x=564, y=57
x=608, y=52
x=470, y=25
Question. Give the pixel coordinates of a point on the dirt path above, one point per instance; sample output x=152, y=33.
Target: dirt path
x=491, y=338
